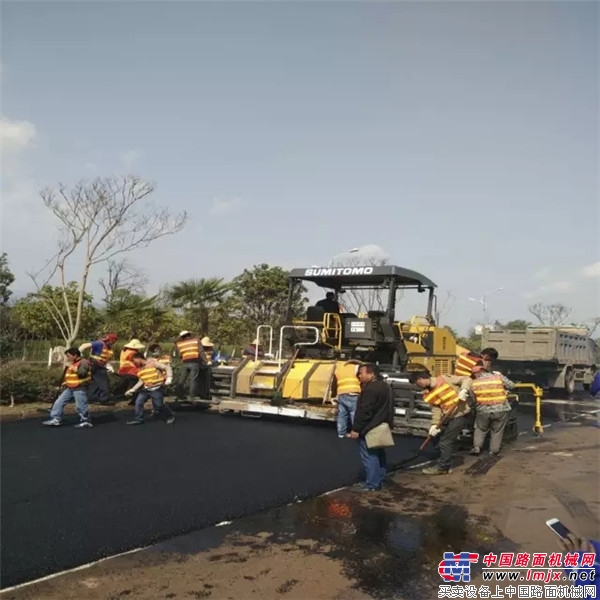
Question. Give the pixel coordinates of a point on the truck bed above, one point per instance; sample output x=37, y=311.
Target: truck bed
x=549, y=344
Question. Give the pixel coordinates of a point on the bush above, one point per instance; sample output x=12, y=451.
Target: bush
x=27, y=382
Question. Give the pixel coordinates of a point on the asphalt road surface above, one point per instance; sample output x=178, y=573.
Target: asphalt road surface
x=73, y=496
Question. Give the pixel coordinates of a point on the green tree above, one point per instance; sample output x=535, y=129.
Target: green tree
x=262, y=296
x=198, y=298
x=6, y=280
x=228, y=326
x=43, y=315
x=471, y=342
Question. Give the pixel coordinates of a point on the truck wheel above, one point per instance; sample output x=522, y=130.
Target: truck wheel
x=570, y=382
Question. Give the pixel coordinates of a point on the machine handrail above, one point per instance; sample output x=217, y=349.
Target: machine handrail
x=315, y=329
x=258, y=339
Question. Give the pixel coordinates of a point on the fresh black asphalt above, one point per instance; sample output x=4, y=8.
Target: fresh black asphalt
x=72, y=496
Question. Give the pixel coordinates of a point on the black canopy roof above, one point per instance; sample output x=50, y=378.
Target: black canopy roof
x=361, y=276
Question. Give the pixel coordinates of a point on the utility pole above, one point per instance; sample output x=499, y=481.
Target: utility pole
x=484, y=305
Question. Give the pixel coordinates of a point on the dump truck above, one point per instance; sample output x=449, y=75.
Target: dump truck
x=297, y=383
x=554, y=358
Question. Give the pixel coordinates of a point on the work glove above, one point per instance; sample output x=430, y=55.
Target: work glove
x=110, y=368
x=463, y=395
x=168, y=381
x=434, y=430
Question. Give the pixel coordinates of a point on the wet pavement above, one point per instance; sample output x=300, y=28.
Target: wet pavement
x=68, y=499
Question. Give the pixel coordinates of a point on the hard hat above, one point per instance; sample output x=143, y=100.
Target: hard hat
x=205, y=341
x=135, y=344
x=182, y=333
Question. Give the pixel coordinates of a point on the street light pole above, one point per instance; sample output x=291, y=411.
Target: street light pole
x=351, y=251
x=484, y=304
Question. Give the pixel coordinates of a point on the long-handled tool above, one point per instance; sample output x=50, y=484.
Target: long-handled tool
x=424, y=445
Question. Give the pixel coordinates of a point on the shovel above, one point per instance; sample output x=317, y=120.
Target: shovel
x=424, y=445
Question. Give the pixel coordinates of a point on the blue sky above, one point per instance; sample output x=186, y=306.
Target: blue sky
x=460, y=137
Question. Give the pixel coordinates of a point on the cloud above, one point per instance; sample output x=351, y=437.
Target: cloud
x=129, y=157
x=542, y=273
x=16, y=135
x=564, y=286
x=223, y=207
x=592, y=271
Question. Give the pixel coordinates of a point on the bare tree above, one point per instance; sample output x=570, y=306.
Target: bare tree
x=357, y=301
x=121, y=274
x=98, y=221
x=550, y=315
x=590, y=324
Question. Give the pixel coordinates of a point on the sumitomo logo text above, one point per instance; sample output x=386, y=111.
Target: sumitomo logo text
x=338, y=271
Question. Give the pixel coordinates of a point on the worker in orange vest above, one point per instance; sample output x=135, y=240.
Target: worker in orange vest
x=127, y=370
x=464, y=364
x=345, y=388
x=101, y=353
x=76, y=379
x=194, y=359
x=153, y=377
x=448, y=397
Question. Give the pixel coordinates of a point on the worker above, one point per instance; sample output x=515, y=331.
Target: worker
x=329, y=304
x=156, y=352
x=76, y=379
x=208, y=349
x=153, y=377
x=345, y=388
x=492, y=408
x=448, y=397
x=464, y=364
x=127, y=370
x=101, y=353
x=373, y=408
x=254, y=349
x=193, y=358
x=595, y=385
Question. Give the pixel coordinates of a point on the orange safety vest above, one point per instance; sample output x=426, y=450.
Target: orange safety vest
x=105, y=355
x=442, y=395
x=464, y=364
x=151, y=376
x=347, y=382
x=489, y=390
x=188, y=349
x=126, y=366
x=165, y=359
x=72, y=379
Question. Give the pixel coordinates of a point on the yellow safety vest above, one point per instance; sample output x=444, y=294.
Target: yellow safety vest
x=188, y=349
x=151, y=376
x=442, y=395
x=105, y=355
x=489, y=390
x=464, y=365
x=165, y=359
x=72, y=380
x=347, y=382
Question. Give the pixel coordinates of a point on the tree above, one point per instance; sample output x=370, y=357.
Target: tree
x=516, y=324
x=228, y=326
x=357, y=301
x=98, y=222
x=122, y=275
x=261, y=297
x=43, y=316
x=6, y=280
x=198, y=297
x=471, y=342
x=550, y=315
x=135, y=316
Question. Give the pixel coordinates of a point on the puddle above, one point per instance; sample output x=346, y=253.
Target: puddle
x=386, y=553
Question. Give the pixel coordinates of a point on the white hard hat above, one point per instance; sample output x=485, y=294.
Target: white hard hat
x=182, y=333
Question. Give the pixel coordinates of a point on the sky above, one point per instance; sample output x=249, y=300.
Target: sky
x=461, y=138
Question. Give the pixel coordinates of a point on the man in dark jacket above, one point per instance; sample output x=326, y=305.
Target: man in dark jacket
x=374, y=407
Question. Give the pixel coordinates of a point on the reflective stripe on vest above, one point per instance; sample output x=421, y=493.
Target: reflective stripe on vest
x=188, y=349
x=489, y=390
x=464, y=364
x=105, y=355
x=151, y=376
x=72, y=380
x=164, y=360
x=442, y=395
x=347, y=382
